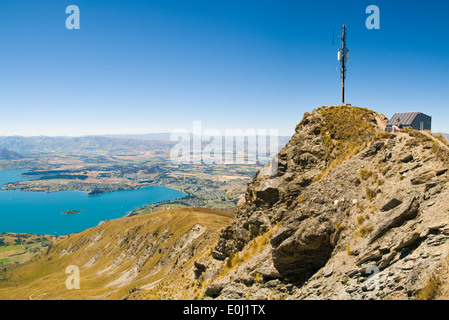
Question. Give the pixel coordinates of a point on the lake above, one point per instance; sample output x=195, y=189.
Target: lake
x=43, y=213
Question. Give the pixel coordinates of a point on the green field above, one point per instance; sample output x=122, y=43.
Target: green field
x=10, y=248
x=18, y=248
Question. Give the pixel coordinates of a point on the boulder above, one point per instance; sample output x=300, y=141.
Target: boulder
x=390, y=204
x=422, y=178
x=407, y=157
x=396, y=219
x=441, y=171
x=375, y=147
x=306, y=250
x=214, y=290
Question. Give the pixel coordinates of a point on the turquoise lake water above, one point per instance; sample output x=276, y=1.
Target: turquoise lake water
x=42, y=213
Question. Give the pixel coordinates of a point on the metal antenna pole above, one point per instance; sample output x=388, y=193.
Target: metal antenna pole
x=343, y=58
x=343, y=64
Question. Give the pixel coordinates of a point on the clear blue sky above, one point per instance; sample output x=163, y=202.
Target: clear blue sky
x=159, y=65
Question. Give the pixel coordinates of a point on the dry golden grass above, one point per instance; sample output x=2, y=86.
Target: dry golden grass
x=252, y=248
x=149, y=238
x=302, y=198
x=348, y=249
x=346, y=131
x=430, y=290
x=365, y=173
x=370, y=193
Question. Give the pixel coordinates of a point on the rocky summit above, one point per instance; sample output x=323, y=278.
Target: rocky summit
x=351, y=212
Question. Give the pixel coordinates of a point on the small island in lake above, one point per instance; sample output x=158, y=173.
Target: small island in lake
x=73, y=211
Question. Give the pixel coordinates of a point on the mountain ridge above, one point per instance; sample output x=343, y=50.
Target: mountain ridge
x=349, y=197
x=78, y=144
x=120, y=257
x=7, y=154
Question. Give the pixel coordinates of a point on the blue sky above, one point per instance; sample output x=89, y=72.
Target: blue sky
x=159, y=65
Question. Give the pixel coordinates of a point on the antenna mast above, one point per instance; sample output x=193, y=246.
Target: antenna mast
x=343, y=57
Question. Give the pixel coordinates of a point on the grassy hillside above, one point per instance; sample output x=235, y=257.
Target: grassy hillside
x=16, y=248
x=120, y=257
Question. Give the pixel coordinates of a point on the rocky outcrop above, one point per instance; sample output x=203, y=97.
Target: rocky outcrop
x=353, y=208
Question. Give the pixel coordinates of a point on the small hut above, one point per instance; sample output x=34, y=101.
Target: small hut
x=416, y=120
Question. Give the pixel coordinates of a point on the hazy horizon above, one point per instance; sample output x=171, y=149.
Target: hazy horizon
x=119, y=134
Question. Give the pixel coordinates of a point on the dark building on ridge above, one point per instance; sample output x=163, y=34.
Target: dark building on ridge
x=416, y=120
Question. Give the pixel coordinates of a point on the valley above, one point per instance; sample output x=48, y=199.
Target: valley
x=214, y=186
x=100, y=165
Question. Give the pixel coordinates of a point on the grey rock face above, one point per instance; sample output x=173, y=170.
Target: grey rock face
x=407, y=212
x=341, y=235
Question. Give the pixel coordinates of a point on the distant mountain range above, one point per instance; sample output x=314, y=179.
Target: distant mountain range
x=446, y=135
x=6, y=154
x=144, y=136
x=166, y=137
x=106, y=143
x=81, y=144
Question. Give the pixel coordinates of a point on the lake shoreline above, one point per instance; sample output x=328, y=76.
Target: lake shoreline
x=41, y=212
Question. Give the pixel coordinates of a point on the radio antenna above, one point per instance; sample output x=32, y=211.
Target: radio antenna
x=343, y=57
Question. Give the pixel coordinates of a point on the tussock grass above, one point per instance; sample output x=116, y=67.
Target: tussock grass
x=360, y=219
x=430, y=290
x=348, y=249
x=339, y=226
x=363, y=232
x=370, y=193
x=346, y=131
x=365, y=173
x=380, y=182
x=382, y=135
